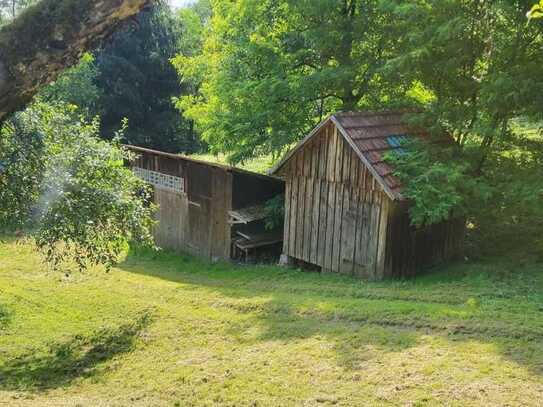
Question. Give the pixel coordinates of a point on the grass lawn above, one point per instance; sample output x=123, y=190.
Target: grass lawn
x=173, y=330
x=259, y=164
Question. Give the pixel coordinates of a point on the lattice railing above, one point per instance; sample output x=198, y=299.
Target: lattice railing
x=160, y=180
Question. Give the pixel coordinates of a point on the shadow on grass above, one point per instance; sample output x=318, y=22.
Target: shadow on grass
x=61, y=363
x=5, y=317
x=286, y=305
x=353, y=342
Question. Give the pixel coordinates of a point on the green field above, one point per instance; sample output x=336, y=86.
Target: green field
x=173, y=330
x=260, y=164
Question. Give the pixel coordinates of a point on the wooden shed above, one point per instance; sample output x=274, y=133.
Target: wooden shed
x=203, y=207
x=344, y=209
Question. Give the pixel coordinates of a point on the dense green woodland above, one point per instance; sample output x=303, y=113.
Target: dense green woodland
x=249, y=78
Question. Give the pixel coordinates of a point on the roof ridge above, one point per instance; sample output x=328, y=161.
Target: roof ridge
x=371, y=126
x=372, y=113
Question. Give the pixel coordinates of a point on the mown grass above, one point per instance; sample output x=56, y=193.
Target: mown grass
x=173, y=330
x=258, y=164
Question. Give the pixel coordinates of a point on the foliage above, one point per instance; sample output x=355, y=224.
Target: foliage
x=130, y=78
x=137, y=82
x=72, y=188
x=275, y=212
x=512, y=223
x=21, y=170
x=192, y=21
x=472, y=97
x=536, y=11
x=270, y=70
x=77, y=86
x=439, y=182
x=492, y=77
x=260, y=164
x=258, y=334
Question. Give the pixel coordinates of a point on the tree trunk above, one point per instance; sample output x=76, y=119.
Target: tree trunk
x=50, y=37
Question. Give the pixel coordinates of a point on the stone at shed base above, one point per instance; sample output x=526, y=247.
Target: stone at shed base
x=286, y=261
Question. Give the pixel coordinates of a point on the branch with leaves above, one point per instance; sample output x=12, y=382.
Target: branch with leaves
x=536, y=11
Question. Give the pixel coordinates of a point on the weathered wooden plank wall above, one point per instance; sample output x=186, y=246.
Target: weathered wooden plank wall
x=410, y=249
x=339, y=218
x=172, y=219
x=333, y=208
x=196, y=220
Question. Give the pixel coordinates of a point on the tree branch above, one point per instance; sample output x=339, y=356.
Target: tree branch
x=51, y=36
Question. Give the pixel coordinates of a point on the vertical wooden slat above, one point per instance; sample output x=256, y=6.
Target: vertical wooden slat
x=354, y=207
x=382, y=238
x=228, y=207
x=183, y=221
x=315, y=227
x=323, y=224
x=294, y=216
x=372, y=238
x=308, y=215
x=364, y=232
x=330, y=218
x=332, y=154
x=300, y=218
x=323, y=203
x=218, y=213
x=286, y=225
x=338, y=216
x=346, y=232
x=331, y=199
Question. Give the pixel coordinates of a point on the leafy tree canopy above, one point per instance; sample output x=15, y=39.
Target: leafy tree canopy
x=270, y=70
x=77, y=86
x=473, y=97
x=536, y=11
x=137, y=82
x=71, y=189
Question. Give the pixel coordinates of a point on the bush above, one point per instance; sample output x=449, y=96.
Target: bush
x=70, y=188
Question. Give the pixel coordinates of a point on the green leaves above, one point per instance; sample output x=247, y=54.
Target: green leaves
x=271, y=70
x=536, y=11
x=77, y=86
x=71, y=189
x=275, y=212
x=438, y=182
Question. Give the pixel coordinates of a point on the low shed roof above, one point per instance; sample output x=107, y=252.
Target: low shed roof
x=180, y=157
x=371, y=135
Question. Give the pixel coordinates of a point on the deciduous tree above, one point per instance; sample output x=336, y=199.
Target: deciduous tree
x=270, y=70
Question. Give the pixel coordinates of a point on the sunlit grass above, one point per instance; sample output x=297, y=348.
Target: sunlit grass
x=259, y=164
x=173, y=330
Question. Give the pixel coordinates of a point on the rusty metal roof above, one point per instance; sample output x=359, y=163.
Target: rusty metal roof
x=371, y=135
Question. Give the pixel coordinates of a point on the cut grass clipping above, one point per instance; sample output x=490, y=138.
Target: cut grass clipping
x=173, y=330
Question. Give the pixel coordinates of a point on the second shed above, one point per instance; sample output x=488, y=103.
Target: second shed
x=344, y=209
